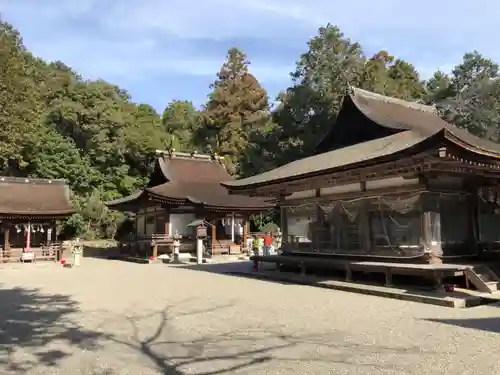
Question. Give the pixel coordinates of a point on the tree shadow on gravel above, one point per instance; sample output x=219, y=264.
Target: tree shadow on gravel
x=34, y=327
x=245, y=349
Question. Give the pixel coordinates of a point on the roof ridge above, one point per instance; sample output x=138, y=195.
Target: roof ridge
x=356, y=91
x=41, y=181
x=189, y=155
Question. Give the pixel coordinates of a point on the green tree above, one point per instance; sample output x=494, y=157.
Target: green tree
x=375, y=73
x=437, y=88
x=320, y=81
x=470, y=97
x=237, y=107
x=181, y=121
x=58, y=158
x=143, y=135
x=19, y=103
x=392, y=77
x=404, y=82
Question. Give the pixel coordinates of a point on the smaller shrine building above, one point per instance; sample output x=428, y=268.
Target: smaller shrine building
x=185, y=190
x=29, y=210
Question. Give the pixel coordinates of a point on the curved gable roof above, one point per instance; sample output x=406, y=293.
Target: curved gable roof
x=365, y=116
x=193, y=179
x=394, y=125
x=399, y=114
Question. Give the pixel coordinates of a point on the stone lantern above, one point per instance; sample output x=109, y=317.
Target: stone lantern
x=176, y=245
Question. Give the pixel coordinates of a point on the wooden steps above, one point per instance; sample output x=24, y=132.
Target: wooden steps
x=483, y=278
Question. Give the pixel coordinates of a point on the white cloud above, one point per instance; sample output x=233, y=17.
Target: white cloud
x=130, y=38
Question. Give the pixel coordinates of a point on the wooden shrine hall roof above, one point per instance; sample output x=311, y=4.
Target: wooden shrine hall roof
x=193, y=180
x=371, y=127
x=32, y=198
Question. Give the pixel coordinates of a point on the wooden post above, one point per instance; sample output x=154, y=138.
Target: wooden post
x=28, y=236
x=284, y=226
x=232, y=227
x=388, y=277
x=245, y=234
x=136, y=211
x=348, y=272
x=365, y=227
x=427, y=226
x=6, y=243
x=155, y=250
x=214, y=235
x=166, y=229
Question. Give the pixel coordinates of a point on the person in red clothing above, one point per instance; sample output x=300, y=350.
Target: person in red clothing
x=268, y=241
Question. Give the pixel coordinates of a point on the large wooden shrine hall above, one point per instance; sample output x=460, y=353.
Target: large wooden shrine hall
x=185, y=189
x=390, y=181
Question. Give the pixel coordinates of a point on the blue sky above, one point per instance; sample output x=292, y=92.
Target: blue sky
x=160, y=50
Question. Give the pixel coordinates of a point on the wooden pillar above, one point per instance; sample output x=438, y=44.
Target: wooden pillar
x=245, y=233
x=366, y=241
x=317, y=226
x=365, y=226
x=6, y=243
x=475, y=235
x=47, y=236
x=155, y=250
x=53, y=237
x=214, y=235
x=167, y=224
x=284, y=225
x=28, y=236
x=431, y=243
x=136, y=211
x=232, y=227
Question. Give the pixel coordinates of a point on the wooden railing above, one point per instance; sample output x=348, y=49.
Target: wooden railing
x=52, y=252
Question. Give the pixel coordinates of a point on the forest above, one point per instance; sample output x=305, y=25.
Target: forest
x=54, y=123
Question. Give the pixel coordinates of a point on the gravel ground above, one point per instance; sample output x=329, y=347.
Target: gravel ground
x=111, y=317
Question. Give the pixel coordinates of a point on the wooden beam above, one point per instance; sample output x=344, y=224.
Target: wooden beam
x=358, y=194
x=401, y=168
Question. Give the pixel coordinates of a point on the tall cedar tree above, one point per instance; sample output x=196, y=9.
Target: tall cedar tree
x=237, y=107
x=308, y=108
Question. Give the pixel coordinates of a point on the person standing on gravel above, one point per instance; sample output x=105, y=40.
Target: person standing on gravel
x=268, y=242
